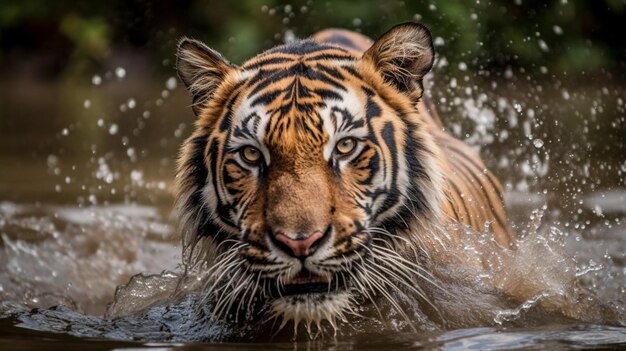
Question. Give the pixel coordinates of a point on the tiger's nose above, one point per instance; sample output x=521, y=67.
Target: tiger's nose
x=302, y=246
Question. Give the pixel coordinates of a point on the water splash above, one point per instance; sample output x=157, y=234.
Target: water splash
x=76, y=257
x=512, y=314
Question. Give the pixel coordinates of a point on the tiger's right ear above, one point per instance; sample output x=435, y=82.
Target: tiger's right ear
x=201, y=69
x=403, y=56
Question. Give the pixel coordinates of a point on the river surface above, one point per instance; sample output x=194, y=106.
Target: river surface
x=85, y=206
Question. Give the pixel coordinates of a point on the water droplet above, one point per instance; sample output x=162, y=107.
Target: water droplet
x=96, y=80
x=65, y=132
x=171, y=83
x=289, y=37
x=131, y=103
x=113, y=129
x=87, y=104
x=508, y=73
x=120, y=72
x=52, y=161
x=538, y=143
x=565, y=94
x=136, y=177
x=557, y=30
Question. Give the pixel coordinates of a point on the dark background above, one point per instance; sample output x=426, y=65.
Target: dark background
x=91, y=111
x=67, y=39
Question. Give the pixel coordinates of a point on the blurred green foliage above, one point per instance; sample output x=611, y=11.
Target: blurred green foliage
x=68, y=37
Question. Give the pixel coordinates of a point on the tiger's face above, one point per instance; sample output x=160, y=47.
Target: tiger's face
x=302, y=159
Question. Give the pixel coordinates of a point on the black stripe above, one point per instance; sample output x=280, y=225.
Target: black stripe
x=228, y=179
x=416, y=172
x=393, y=195
x=326, y=78
x=329, y=56
x=266, y=61
x=261, y=74
x=223, y=210
x=327, y=94
x=266, y=98
x=331, y=71
x=270, y=79
x=352, y=71
x=196, y=170
x=372, y=166
x=227, y=118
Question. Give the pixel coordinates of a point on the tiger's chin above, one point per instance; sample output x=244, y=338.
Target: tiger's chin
x=312, y=300
x=312, y=309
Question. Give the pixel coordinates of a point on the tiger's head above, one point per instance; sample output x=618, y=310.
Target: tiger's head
x=309, y=174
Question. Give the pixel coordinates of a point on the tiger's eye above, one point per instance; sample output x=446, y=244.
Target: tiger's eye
x=250, y=154
x=345, y=146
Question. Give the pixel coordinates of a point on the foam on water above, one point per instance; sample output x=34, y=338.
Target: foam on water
x=76, y=257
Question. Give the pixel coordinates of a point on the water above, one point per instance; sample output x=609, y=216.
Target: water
x=85, y=206
x=549, y=338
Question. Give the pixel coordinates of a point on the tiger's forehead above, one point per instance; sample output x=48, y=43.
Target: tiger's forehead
x=285, y=57
x=290, y=124
x=295, y=97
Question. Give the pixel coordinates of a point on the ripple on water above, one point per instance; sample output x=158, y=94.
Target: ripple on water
x=75, y=258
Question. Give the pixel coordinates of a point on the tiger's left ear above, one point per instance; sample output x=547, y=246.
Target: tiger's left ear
x=202, y=70
x=403, y=56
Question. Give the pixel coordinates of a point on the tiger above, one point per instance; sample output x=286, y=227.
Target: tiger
x=319, y=179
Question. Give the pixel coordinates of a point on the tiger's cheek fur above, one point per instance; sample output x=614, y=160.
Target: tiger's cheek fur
x=241, y=183
x=349, y=233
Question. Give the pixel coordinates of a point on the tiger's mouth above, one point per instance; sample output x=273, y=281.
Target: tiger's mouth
x=307, y=282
